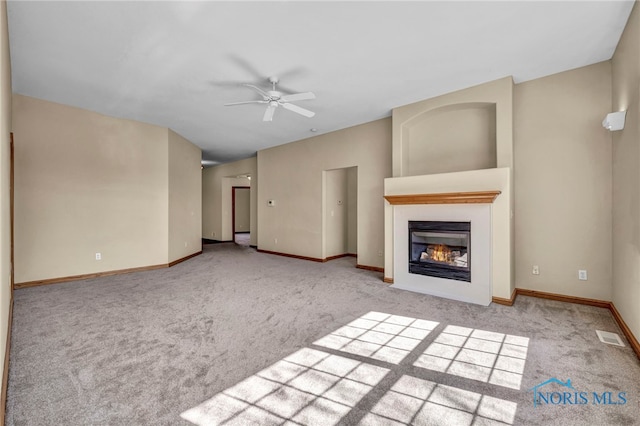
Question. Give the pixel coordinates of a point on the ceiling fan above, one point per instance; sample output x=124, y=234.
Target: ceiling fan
x=273, y=98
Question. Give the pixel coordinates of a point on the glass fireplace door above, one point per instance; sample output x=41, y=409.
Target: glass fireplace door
x=440, y=249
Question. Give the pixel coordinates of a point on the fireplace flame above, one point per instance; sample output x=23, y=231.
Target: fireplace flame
x=441, y=253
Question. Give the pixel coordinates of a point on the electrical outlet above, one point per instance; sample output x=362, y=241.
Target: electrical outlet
x=185, y=243
x=379, y=253
x=582, y=274
x=276, y=240
x=535, y=270
x=98, y=256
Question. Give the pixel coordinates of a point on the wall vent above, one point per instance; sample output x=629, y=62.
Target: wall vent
x=609, y=338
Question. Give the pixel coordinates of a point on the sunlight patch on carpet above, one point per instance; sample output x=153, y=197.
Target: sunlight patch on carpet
x=417, y=401
x=485, y=356
x=385, y=337
x=322, y=385
x=307, y=387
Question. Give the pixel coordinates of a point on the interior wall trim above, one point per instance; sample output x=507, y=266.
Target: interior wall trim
x=503, y=301
x=175, y=262
x=12, y=181
x=317, y=259
x=388, y=280
x=101, y=274
x=633, y=341
x=5, y=373
x=563, y=298
x=477, y=197
x=339, y=256
x=295, y=256
x=313, y=259
x=370, y=268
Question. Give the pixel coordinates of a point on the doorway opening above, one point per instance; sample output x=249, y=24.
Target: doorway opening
x=340, y=213
x=241, y=214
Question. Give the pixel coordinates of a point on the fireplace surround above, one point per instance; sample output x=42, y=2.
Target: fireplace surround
x=476, y=290
x=482, y=197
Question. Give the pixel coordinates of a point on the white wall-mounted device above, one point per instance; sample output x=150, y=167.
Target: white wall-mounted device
x=271, y=203
x=614, y=121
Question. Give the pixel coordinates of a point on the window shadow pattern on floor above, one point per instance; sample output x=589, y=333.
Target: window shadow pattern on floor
x=321, y=387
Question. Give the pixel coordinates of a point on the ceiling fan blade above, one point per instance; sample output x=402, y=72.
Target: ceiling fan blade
x=299, y=110
x=298, y=97
x=245, y=102
x=268, y=114
x=246, y=66
x=259, y=90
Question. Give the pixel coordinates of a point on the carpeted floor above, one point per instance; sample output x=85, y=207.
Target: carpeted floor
x=242, y=238
x=234, y=336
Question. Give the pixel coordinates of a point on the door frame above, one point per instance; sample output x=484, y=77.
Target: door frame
x=11, y=196
x=233, y=209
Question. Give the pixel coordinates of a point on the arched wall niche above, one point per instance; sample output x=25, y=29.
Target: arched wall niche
x=428, y=132
x=450, y=138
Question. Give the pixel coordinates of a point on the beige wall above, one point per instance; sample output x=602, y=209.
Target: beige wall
x=185, y=197
x=291, y=175
x=216, y=198
x=87, y=183
x=243, y=210
x=626, y=176
x=451, y=139
x=5, y=128
x=563, y=182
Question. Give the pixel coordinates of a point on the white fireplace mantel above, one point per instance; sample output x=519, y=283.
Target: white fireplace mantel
x=480, y=196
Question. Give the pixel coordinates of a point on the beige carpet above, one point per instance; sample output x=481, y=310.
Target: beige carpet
x=239, y=337
x=243, y=238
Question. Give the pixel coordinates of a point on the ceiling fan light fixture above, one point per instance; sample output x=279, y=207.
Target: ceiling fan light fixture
x=273, y=98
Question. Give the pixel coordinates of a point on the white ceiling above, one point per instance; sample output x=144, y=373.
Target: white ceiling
x=175, y=64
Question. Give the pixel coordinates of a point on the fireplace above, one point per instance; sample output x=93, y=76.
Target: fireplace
x=440, y=249
x=477, y=220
